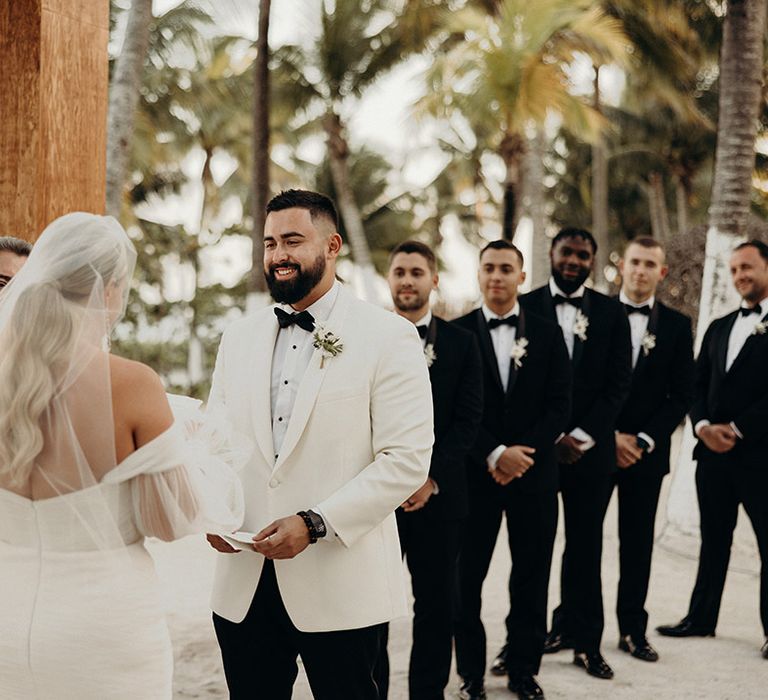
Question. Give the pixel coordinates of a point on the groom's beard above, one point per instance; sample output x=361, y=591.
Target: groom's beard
x=569, y=286
x=293, y=290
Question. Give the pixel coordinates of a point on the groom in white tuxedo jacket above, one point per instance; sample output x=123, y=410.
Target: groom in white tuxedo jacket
x=335, y=393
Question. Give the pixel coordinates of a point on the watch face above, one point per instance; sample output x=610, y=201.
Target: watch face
x=317, y=523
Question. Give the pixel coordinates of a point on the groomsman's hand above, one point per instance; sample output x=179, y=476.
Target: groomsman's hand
x=419, y=499
x=627, y=451
x=513, y=463
x=282, y=539
x=718, y=437
x=221, y=545
x=569, y=450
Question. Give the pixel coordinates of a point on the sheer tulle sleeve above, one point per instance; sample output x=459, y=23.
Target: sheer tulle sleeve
x=186, y=480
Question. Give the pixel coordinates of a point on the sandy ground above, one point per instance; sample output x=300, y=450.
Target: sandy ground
x=728, y=666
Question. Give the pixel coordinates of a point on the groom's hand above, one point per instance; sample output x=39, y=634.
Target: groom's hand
x=282, y=539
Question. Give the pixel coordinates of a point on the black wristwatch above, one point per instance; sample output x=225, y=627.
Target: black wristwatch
x=315, y=524
x=642, y=443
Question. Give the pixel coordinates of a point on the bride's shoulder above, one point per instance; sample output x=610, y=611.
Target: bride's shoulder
x=131, y=376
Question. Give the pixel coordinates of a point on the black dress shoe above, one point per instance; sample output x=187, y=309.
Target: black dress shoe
x=555, y=641
x=472, y=690
x=638, y=647
x=764, y=650
x=499, y=665
x=526, y=687
x=594, y=664
x=684, y=628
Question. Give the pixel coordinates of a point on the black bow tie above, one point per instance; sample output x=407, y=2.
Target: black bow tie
x=645, y=310
x=747, y=310
x=508, y=321
x=422, y=330
x=573, y=301
x=304, y=319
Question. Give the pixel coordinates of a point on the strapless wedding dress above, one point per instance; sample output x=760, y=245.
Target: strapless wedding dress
x=77, y=620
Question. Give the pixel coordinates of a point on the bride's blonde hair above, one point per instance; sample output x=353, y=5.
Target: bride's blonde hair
x=63, y=306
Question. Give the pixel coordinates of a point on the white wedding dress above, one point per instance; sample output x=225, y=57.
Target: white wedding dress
x=80, y=620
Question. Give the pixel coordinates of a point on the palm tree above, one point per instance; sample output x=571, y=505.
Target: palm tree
x=356, y=45
x=511, y=71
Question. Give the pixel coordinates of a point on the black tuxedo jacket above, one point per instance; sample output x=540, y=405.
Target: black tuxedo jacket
x=739, y=395
x=662, y=387
x=602, y=373
x=534, y=409
x=457, y=397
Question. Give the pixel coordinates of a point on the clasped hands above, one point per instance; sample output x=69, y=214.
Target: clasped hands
x=628, y=452
x=513, y=463
x=282, y=539
x=718, y=437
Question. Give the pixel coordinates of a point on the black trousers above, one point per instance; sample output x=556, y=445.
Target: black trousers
x=638, y=494
x=580, y=613
x=531, y=524
x=722, y=484
x=260, y=652
x=430, y=544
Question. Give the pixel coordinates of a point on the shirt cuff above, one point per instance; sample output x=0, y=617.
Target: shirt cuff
x=492, y=458
x=701, y=424
x=435, y=487
x=330, y=533
x=587, y=440
x=736, y=430
x=651, y=442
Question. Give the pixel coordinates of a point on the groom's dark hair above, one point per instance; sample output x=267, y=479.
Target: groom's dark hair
x=318, y=205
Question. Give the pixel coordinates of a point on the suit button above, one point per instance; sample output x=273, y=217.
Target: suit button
x=274, y=483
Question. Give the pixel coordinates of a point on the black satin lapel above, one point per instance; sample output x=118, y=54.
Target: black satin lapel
x=578, y=344
x=722, y=343
x=486, y=346
x=652, y=329
x=548, y=309
x=747, y=348
x=520, y=333
x=432, y=340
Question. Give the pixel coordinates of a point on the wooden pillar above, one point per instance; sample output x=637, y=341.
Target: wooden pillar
x=53, y=111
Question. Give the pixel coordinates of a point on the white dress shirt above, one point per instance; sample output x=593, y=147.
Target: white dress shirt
x=503, y=338
x=743, y=327
x=638, y=325
x=566, y=318
x=293, y=351
x=425, y=320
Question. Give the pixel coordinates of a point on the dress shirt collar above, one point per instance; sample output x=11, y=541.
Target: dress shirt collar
x=425, y=320
x=490, y=314
x=763, y=304
x=554, y=290
x=624, y=299
x=321, y=309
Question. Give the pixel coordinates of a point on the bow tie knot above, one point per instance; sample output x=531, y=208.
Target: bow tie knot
x=303, y=319
x=747, y=310
x=508, y=321
x=645, y=309
x=422, y=331
x=573, y=301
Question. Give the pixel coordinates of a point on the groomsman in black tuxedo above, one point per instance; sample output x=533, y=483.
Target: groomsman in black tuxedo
x=430, y=521
x=512, y=472
x=730, y=418
x=596, y=333
x=661, y=393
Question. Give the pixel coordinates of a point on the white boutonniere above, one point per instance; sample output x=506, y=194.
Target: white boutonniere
x=328, y=342
x=761, y=328
x=648, y=343
x=580, y=326
x=519, y=351
x=429, y=354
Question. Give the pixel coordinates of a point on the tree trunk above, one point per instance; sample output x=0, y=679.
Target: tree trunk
x=600, y=196
x=338, y=155
x=123, y=100
x=658, y=206
x=741, y=71
x=538, y=266
x=512, y=151
x=681, y=195
x=257, y=285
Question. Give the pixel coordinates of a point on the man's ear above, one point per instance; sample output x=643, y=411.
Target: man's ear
x=334, y=244
x=435, y=281
x=664, y=272
x=522, y=276
x=621, y=267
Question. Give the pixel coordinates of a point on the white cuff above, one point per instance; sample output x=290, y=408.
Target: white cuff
x=651, y=442
x=435, y=487
x=701, y=424
x=330, y=533
x=492, y=458
x=736, y=430
x=587, y=440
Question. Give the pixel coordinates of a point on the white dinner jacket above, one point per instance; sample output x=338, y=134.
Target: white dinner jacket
x=357, y=445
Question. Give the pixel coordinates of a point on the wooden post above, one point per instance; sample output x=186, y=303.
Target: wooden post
x=53, y=111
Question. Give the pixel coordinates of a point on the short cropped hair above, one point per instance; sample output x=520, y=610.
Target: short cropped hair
x=573, y=232
x=9, y=244
x=501, y=244
x=756, y=243
x=645, y=242
x=318, y=205
x=411, y=246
